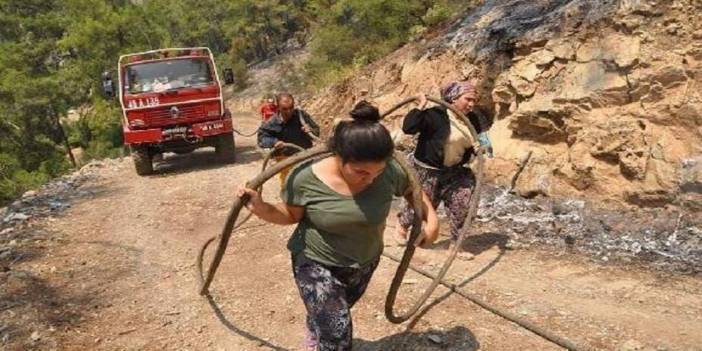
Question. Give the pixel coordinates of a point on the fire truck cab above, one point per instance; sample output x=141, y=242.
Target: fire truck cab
x=171, y=101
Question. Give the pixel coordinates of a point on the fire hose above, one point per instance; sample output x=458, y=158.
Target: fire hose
x=245, y=135
x=321, y=151
x=302, y=122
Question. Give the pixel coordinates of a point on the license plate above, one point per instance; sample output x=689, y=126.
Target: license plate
x=177, y=130
x=212, y=126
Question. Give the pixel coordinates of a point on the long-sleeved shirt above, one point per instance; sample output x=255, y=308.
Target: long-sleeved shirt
x=434, y=129
x=290, y=131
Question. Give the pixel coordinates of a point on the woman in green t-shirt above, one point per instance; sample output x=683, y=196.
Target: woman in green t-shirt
x=340, y=205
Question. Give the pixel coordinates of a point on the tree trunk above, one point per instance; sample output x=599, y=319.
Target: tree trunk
x=62, y=134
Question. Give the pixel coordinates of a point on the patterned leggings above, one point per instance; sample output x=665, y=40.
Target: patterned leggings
x=453, y=186
x=328, y=294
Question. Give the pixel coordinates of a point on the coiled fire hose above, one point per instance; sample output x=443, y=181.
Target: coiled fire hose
x=321, y=151
x=245, y=135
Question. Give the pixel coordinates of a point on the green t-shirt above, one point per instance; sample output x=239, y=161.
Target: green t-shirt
x=341, y=230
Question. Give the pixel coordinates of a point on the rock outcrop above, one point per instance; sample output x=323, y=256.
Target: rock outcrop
x=603, y=95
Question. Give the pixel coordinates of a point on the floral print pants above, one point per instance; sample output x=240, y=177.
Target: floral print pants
x=454, y=186
x=328, y=294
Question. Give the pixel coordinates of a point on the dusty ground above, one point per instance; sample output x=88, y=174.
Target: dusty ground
x=115, y=271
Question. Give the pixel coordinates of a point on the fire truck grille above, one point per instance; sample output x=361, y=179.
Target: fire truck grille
x=169, y=116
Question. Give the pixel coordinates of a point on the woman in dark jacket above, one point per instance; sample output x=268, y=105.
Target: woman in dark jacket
x=443, y=152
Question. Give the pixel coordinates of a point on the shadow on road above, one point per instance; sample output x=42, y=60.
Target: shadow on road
x=203, y=159
x=474, y=244
x=457, y=338
x=229, y=325
x=36, y=301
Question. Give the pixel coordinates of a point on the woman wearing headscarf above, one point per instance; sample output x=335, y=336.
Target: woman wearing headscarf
x=443, y=153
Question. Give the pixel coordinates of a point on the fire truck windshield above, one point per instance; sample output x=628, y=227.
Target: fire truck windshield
x=167, y=75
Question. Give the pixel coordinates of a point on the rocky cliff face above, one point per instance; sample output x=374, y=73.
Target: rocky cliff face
x=597, y=99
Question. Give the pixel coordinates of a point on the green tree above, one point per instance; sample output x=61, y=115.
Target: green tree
x=54, y=52
x=32, y=98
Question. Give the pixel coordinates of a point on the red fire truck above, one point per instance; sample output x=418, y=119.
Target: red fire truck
x=171, y=102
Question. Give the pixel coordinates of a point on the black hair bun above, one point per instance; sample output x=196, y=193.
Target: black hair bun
x=366, y=112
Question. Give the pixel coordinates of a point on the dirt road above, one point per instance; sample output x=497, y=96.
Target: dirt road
x=116, y=272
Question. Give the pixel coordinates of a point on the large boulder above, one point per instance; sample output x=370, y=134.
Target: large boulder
x=622, y=50
x=691, y=183
x=621, y=142
x=656, y=189
x=691, y=175
x=593, y=85
x=562, y=48
x=536, y=177
x=579, y=171
x=541, y=119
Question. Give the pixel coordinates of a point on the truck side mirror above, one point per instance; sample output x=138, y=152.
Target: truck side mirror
x=228, y=76
x=108, y=86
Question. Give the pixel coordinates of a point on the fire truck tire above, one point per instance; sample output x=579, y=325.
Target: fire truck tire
x=225, y=147
x=142, y=161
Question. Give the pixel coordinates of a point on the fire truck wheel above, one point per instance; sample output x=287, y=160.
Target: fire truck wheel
x=142, y=161
x=225, y=148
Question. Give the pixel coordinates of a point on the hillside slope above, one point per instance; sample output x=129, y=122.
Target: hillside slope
x=597, y=99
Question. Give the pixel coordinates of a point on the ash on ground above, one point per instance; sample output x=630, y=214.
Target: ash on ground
x=664, y=238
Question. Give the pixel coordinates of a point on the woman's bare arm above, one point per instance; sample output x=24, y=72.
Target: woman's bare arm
x=431, y=221
x=279, y=213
